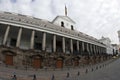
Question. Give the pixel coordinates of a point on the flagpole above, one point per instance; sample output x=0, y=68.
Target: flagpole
x=65, y=10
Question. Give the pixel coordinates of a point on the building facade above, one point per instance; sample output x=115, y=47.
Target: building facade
x=33, y=42
x=119, y=35
x=107, y=42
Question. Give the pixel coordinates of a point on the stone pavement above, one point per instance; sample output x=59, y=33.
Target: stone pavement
x=107, y=72
x=82, y=73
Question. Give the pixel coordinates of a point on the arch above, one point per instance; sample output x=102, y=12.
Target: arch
x=8, y=52
x=59, y=62
x=76, y=61
x=72, y=28
x=37, y=61
x=8, y=56
x=62, y=23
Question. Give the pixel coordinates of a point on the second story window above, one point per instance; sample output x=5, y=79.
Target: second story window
x=72, y=28
x=62, y=24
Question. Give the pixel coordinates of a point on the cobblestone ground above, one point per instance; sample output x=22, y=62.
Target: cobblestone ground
x=108, y=70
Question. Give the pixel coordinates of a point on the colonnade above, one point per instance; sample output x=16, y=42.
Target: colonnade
x=90, y=48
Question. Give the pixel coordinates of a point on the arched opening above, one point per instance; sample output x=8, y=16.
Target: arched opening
x=37, y=61
x=59, y=62
x=72, y=28
x=76, y=61
x=8, y=57
x=62, y=23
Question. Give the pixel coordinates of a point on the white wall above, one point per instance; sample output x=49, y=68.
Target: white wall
x=107, y=42
x=67, y=24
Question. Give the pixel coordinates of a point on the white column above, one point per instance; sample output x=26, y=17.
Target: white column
x=54, y=43
x=94, y=49
x=44, y=42
x=91, y=49
x=87, y=47
x=63, y=44
x=32, y=40
x=83, y=46
x=6, y=35
x=19, y=37
x=71, y=45
x=78, y=46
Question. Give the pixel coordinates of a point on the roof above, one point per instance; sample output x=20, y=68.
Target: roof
x=65, y=18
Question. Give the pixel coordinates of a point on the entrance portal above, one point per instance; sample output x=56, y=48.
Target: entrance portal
x=76, y=62
x=9, y=59
x=37, y=62
x=59, y=63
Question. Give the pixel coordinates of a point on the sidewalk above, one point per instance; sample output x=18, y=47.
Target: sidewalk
x=41, y=74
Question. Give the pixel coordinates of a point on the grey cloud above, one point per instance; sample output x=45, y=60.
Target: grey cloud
x=94, y=17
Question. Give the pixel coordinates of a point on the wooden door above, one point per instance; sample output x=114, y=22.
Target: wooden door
x=9, y=59
x=59, y=64
x=76, y=62
x=36, y=63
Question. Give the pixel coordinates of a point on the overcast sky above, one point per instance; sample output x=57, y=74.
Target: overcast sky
x=94, y=17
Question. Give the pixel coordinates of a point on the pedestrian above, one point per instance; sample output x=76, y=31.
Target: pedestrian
x=14, y=77
x=53, y=77
x=78, y=73
x=86, y=71
x=34, y=77
x=68, y=74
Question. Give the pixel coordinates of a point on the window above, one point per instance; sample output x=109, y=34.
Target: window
x=62, y=24
x=38, y=46
x=13, y=42
x=72, y=27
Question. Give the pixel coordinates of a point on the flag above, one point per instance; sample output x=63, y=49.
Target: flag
x=65, y=10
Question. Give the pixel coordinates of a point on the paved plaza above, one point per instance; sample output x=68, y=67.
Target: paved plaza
x=108, y=70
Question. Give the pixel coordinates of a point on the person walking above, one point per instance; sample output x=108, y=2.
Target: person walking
x=14, y=77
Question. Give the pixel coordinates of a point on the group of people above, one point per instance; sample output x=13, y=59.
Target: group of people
x=15, y=78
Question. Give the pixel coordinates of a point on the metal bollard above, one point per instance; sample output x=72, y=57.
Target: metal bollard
x=92, y=70
x=53, y=77
x=86, y=71
x=78, y=73
x=96, y=67
x=34, y=77
x=68, y=74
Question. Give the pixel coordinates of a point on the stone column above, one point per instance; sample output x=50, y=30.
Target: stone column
x=19, y=37
x=97, y=49
x=94, y=49
x=87, y=47
x=78, y=46
x=91, y=48
x=54, y=43
x=71, y=45
x=6, y=35
x=83, y=46
x=44, y=42
x=63, y=44
x=32, y=40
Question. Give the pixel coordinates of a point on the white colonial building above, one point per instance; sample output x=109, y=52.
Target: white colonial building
x=119, y=36
x=107, y=42
x=36, y=42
